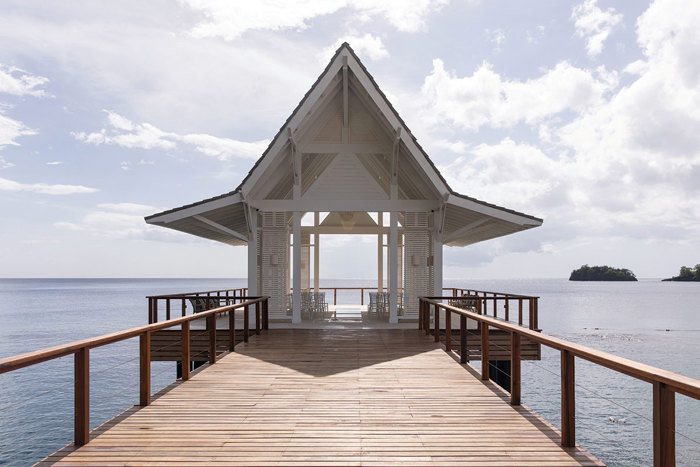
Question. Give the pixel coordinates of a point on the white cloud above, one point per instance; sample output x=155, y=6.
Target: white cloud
x=5, y=164
x=44, y=188
x=496, y=36
x=626, y=164
x=18, y=82
x=123, y=221
x=225, y=148
x=11, y=129
x=486, y=98
x=594, y=24
x=54, y=163
x=129, y=208
x=125, y=133
x=229, y=20
x=365, y=45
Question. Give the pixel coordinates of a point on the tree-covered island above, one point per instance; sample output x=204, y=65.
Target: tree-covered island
x=601, y=273
x=687, y=274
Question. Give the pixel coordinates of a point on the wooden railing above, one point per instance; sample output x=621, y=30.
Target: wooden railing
x=664, y=383
x=229, y=296
x=505, y=301
x=81, y=350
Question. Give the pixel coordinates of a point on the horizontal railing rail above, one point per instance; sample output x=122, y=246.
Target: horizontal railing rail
x=81, y=350
x=664, y=383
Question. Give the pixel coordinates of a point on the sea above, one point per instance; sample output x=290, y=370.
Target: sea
x=654, y=322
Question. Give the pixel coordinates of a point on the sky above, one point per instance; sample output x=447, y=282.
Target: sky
x=584, y=113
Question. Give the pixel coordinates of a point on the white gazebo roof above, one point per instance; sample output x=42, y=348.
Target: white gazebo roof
x=347, y=137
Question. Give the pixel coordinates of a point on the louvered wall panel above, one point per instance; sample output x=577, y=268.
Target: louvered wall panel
x=274, y=263
x=417, y=272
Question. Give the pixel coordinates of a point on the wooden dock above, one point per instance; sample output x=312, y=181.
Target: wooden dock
x=329, y=397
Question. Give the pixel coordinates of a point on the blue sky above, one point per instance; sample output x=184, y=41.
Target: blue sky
x=584, y=113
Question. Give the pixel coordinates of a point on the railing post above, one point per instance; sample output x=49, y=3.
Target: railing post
x=520, y=311
x=155, y=310
x=568, y=409
x=246, y=324
x=232, y=330
x=536, y=326
x=531, y=309
x=185, y=351
x=335, y=296
x=514, y=368
x=485, y=352
x=266, y=323
x=437, y=324
x=211, y=324
x=664, y=426
x=184, y=307
x=426, y=316
x=463, y=339
x=81, y=422
x=448, y=330
x=258, y=305
x=150, y=310
x=167, y=308
x=145, y=368
x=420, y=314
x=507, y=309
x=362, y=296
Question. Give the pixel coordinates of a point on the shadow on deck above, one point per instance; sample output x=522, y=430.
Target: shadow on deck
x=329, y=397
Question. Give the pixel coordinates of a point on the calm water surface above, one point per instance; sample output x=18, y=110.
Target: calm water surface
x=648, y=321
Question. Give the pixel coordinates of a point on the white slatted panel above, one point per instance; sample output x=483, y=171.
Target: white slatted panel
x=274, y=263
x=345, y=178
x=417, y=273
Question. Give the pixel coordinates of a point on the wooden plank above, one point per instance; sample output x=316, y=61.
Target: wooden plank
x=329, y=397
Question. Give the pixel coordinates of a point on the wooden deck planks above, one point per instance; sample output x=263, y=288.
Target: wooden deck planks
x=329, y=397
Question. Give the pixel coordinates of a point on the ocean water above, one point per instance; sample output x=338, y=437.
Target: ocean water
x=653, y=322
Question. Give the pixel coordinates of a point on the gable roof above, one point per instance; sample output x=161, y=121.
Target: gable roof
x=512, y=220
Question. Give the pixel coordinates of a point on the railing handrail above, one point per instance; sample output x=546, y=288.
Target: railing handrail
x=502, y=294
x=187, y=294
x=31, y=358
x=682, y=384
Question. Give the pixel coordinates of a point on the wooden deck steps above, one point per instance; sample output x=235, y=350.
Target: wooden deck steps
x=329, y=397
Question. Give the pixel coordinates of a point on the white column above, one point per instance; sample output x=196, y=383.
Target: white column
x=437, y=265
x=393, y=266
x=296, y=269
x=380, y=253
x=253, y=253
x=317, y=238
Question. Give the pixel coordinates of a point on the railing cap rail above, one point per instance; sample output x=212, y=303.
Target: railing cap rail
x=195, y=293
x=678, y=383
x=30, y=358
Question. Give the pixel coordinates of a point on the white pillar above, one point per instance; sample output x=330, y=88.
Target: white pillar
x=437, y=265
x=380, y=253
x=296, y=269
x=317, y=238
x=253, y=253
x=393, y=266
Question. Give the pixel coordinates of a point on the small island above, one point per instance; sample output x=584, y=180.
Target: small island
x=601, y=273
x=687, y=275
